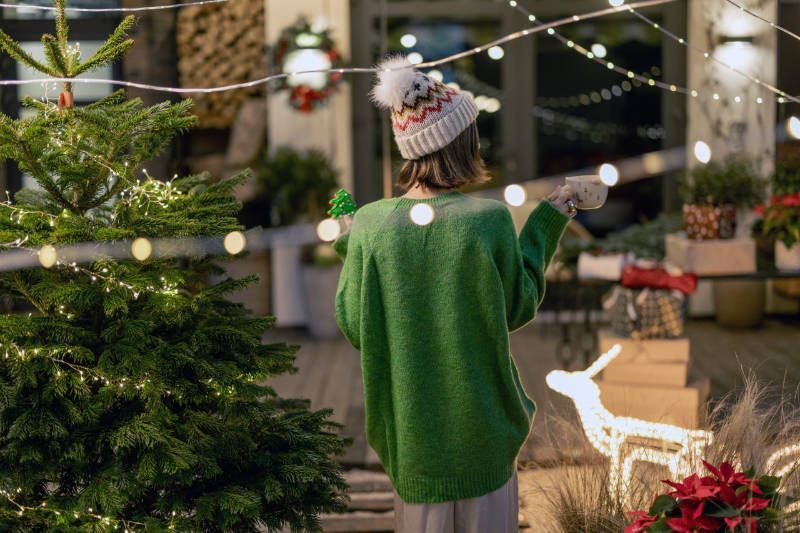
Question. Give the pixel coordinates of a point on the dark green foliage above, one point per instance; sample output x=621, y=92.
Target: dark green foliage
x=645, y=241
x=785, y=180
x=294, y=185
x=133, y=396
x=734, y=181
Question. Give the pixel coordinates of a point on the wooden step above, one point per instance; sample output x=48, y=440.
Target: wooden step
x=367, y=481
x=372, y=501
x=358, y=521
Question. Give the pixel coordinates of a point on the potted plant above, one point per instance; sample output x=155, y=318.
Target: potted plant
x=321, y=269
x=712, y=194
x=781, y=221
x=294, y=188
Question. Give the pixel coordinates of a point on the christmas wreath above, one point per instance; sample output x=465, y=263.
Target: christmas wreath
x=301, y=47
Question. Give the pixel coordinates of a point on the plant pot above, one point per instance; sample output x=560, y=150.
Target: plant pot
x=740, y=303
x=787, y=259
x=727, y=221
x=701, y=222
x=319, y=285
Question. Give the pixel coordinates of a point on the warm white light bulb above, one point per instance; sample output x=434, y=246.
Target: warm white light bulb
x=48, y=256
x=436, y=75
x=609, y=174
x=235, y=242
x=492, y=105
x=329, y=230
x=515, y=195
x=421, y=214
x=599, y=50
x=415, y=58
x=496, y=52
x=702, y=152
x=141, y=249
x=408, y=40
x=793, y=127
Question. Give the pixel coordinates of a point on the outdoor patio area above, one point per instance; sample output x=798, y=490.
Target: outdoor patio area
x=330, y=375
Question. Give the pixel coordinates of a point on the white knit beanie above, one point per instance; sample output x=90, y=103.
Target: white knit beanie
x=427, y=115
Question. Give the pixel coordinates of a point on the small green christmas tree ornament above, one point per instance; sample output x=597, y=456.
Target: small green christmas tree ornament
x=342, y=204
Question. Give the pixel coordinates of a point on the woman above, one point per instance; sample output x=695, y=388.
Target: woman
x=432, y=284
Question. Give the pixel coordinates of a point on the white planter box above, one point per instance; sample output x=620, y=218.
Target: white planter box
x=320, y=284
x=712, y=257
x=787, y=259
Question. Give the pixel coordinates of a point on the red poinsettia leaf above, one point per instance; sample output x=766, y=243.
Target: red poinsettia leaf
x=711, y=468
x=732, y=521
x=726, y=470
x=679, y=525
x=755, y=504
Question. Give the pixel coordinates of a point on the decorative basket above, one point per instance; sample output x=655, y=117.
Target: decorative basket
x=701, y=222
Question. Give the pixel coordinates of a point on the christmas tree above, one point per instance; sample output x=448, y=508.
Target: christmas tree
x=131, y=392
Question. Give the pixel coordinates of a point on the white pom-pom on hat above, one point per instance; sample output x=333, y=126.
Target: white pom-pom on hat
x=395, y=75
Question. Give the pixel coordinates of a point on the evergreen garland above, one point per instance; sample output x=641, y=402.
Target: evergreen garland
x=132, y=395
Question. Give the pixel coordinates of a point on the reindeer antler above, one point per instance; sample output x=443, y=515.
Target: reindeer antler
x=603, y=361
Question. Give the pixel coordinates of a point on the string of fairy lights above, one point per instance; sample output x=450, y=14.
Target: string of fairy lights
x=140, y=9
x=752, y=13
x=348, y=70
x=782, y=95
x=651, y=81
x=595, y=131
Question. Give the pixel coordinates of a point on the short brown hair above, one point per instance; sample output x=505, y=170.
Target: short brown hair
x=457, y=164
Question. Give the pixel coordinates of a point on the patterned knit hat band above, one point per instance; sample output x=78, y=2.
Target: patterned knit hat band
x=427, y=115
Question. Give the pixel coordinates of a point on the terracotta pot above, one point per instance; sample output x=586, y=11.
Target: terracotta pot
x=787, y=259
x=701, y=222
x=727, y=221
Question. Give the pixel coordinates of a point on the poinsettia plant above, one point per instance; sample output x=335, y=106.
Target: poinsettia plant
x=782, y=218
x=723, y=501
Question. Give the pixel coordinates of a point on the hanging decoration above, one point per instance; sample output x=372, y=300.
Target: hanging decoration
x=342, y=204
x=303, y=47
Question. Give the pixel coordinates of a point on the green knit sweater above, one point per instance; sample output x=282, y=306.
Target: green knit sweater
x=430, y=308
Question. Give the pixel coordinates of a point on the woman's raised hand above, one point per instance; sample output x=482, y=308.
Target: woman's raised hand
x=564, y=199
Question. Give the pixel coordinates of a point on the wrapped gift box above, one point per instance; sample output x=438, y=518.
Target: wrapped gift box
x=645, y=351
x=658, y=374
x=712, y=257
x=684, y=407
x=603, y=267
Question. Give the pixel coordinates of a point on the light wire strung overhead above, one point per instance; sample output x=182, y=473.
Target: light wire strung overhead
x=33, y=7
x=350, y=70
x=765, y=20
x=645, y=79
x=712, y=57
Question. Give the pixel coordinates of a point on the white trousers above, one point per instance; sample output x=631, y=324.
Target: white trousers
x=495, y=512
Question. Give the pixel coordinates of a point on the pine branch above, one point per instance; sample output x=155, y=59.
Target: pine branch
x=99, y=59
x=47, y=183
x=54, y=54
x=62, y=28
x=116, y=45
x=15, y=50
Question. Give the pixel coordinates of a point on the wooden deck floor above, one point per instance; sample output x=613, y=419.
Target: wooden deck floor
x=330, y=373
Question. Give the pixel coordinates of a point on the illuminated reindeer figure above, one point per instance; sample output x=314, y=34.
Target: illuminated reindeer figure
x=624, y=440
